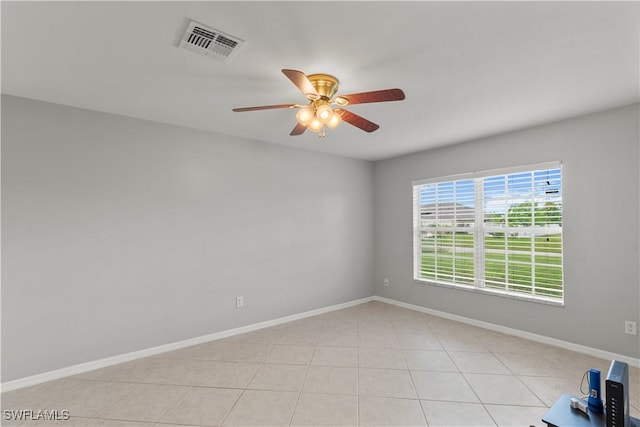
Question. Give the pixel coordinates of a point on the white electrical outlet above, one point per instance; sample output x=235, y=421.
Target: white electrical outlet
x=386, y=283
x=630, y=327
x=239, y=302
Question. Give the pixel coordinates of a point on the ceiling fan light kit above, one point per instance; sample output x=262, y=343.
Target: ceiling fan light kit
x=318, y=114
x=320, y=91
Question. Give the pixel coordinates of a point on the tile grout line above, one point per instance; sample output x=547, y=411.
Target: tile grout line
x=517, y=377
x=174, y=404
x=134, y=388
x=512, y=373
x=224, y=419
x=306, y=374
x=191, y=387
x=426, y=419
x=243, y=389
x=467, y=381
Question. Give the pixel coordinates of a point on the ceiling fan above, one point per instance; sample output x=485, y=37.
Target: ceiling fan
x=320, y=90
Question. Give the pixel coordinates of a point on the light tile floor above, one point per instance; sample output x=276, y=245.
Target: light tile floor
x=373, y=365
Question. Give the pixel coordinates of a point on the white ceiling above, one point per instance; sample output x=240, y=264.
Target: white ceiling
x=469, y=69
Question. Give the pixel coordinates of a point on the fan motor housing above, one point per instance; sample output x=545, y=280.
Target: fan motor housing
x=325, y=84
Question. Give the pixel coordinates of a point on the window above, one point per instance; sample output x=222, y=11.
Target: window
x=496, y=231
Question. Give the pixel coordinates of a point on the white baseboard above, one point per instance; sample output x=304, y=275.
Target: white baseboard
x=601, y=354
x=127, y=357
x=109, y=361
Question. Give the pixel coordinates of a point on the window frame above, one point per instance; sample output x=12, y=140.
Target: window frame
x=480, y=231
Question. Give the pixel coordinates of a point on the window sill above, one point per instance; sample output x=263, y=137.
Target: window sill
x=496, y=292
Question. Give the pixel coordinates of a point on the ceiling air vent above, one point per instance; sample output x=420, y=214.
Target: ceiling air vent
x=209, y=41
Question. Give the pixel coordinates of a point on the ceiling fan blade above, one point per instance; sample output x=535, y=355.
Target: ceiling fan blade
x=357, y=121
x=384, y=95
x=301, y=81
x=298, y=130
x=265, y=107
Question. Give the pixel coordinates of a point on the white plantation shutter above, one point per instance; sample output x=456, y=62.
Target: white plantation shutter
x=446, y=218
x=493, y=230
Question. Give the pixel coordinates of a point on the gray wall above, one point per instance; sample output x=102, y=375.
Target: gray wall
x=601, y=187
x=120, y=234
